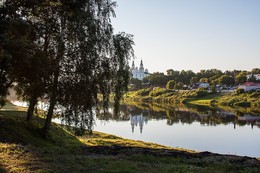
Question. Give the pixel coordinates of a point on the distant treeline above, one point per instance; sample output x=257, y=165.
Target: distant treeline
x=211, y=76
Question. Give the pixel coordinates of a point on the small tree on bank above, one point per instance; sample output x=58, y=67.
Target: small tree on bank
x=170, y=84
x=179, y=85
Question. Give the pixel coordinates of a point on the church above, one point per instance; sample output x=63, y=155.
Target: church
x=139, y=73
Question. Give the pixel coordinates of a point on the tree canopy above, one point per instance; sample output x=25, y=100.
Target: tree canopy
x=65, y=51
x=211, y=76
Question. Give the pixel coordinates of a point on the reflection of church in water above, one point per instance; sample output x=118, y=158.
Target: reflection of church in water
x=138, y=120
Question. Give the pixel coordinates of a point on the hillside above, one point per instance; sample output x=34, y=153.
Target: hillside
x=250, y=100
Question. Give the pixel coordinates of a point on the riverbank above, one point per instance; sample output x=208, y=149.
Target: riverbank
x=23, y=149
x=249, y=100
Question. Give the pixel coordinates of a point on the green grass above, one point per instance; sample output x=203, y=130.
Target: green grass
x=244, y=102
x=24, y=149
x=209, y=100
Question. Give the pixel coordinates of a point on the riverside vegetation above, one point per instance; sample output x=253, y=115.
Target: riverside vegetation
x=24, y=149
x=249, y=101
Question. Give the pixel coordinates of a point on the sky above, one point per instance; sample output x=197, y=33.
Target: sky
x=192, y=34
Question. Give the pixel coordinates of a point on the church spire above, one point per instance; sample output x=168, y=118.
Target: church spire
x=133, y=65
x=141, y=66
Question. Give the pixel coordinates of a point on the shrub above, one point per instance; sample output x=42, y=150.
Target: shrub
x=201, y=93
x=179, y=85
x=184, y=101
x=213, y=102
x=255, y=95
x=143, y=92
x=170, y=84
x=157, y=91
x=240, y=91
x=169, y=94
x=233, y=101
x=243, y=104
x=213, y=89
x=146, y=98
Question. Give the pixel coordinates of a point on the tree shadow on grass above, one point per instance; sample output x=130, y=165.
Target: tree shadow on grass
x=13, y=114
x=24, y=149
x=2, y=170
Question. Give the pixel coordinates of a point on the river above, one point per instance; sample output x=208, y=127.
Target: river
x=199, y=129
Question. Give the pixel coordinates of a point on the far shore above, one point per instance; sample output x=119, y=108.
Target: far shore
x=242, y=101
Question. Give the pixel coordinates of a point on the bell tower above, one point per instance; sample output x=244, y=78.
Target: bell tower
x=141, y=68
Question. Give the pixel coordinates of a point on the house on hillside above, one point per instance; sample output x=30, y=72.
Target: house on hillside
x=249, y=86
x=203, y=85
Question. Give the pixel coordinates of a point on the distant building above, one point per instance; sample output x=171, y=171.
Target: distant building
x=257, y=76
x=204, y=85
x=248, y=86
x=139, y=73
x=201, y=85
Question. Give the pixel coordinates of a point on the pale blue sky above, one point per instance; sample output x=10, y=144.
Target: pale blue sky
x=192, y=34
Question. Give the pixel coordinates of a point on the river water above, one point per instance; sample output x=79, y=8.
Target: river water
x=197, y=128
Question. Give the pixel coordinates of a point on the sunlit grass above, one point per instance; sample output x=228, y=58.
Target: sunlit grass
x=11, y=107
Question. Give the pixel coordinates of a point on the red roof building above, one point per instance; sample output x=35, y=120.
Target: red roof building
x=248, y=86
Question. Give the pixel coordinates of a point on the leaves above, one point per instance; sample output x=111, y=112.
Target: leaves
x=66, y=51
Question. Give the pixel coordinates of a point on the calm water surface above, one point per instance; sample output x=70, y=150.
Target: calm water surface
x=196, y=129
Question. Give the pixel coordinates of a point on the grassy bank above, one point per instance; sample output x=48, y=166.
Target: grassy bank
x=250, y=100
x=23, y=149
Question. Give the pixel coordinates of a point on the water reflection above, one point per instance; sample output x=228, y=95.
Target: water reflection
x=138, y=120
x=217, y=130
x=139, y=115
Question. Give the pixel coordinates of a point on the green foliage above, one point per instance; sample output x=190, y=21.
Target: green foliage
x=226, y=80
x=193, y=80
x=143, y=92
x=185, y=76
x=204, y=80
x=184, y=101
x=179, y=85
x=157, y=79
x=209, y=73
x=213, y=102
x=243, y=104
x=146, y=99
x=252, y=79
x=136, y=84
x=255, y=71
x=254, y=94
x=170, y=84
x=201, y=92
x=240, y=91
x=200, y=97
x=67, y=52
x=157, y=91
x=213, y=89
x=241, y=77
